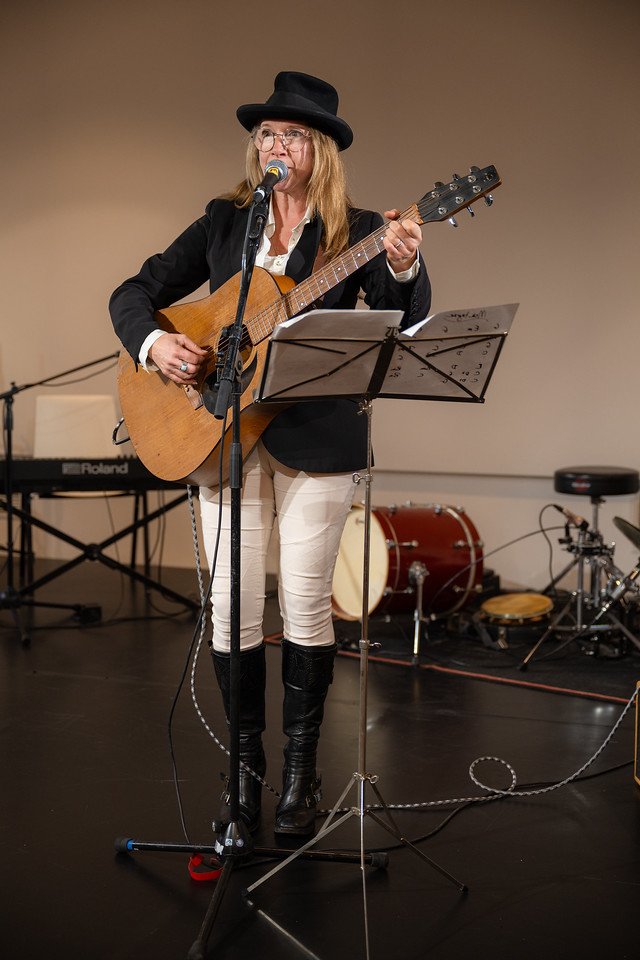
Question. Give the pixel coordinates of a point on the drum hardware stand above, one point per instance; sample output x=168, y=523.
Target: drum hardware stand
x=629, y=582
x=373, y=356
x=12, y=599
x=499, y=643
x=417, y=574
x=589, y=548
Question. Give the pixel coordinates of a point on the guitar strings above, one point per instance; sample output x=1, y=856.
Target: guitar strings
x=262, y=324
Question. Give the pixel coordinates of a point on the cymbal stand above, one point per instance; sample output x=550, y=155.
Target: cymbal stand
x=588, y=549
x=362, y=778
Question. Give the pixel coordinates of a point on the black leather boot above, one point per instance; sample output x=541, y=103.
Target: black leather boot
x=306, y=675
x=252, y=724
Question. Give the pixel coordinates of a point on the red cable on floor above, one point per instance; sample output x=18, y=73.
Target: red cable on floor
x=276, y=637
x=524, y=683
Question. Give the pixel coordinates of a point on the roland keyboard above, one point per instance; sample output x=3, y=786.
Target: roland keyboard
x=46, y=476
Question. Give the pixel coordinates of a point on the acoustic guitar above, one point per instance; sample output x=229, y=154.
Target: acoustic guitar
x=172, y=431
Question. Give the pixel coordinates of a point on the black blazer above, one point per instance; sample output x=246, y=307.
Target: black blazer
x=326, y=436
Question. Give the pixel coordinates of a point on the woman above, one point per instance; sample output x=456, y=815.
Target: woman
x=300, y=472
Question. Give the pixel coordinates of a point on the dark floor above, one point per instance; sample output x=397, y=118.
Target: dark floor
x=85, y=759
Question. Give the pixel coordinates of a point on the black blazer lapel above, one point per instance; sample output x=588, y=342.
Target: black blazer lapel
x=303, y=257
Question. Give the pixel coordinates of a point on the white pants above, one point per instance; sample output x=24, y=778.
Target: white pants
x=311, y=510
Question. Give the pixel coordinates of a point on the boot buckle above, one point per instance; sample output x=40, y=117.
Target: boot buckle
x=315, y=793
x=226, y=792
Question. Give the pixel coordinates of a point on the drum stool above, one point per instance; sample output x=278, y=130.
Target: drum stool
x=589, y=549
x=596, y=482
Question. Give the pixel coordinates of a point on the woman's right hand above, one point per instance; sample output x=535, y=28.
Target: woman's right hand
x=178, y=357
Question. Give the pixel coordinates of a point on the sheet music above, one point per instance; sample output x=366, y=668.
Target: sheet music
x=449, y=355
x=325, y=353
x=357, y=353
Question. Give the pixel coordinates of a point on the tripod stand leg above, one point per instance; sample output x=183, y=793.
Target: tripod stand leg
x=392, y=828
x=623, y=629
x=291, y=940
x=548, y=631
x=198, y=948
x=299, y=852
x=25, y=639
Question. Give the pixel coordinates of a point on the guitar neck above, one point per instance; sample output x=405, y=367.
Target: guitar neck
x=439, y=204
x=306, y=293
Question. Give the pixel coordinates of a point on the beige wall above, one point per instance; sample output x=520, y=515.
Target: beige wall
x=119, y=124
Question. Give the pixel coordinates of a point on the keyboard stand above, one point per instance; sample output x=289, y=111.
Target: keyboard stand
x=95, y=551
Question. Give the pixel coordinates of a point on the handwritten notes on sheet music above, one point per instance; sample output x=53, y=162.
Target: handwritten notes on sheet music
x=449, y=356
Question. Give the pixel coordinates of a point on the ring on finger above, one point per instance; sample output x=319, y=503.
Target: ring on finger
x=399, y=243
x=183, y=366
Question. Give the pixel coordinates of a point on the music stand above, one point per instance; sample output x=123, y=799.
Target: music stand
x=448, y=356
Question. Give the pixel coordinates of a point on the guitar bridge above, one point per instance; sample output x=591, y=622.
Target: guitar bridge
x=193, y=396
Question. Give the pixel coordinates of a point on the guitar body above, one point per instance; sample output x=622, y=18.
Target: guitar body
x=171, y=430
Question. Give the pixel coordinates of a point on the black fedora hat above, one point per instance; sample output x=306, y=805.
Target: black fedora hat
x=298, y=96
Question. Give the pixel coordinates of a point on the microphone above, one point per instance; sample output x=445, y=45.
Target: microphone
x=618, y=593
x=275, y=172
x=579, y=522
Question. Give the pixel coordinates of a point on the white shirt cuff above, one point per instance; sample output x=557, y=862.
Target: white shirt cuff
x=405, y=275
x=144, y=350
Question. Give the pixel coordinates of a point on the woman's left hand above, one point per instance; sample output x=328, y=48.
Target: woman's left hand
x=401, y=242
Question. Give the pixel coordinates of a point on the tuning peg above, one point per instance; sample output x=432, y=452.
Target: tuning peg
x=488, y=200
x=471, y=212
x=455, y=177
x=453, y=222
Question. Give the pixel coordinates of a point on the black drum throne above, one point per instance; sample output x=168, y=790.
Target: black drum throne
x=587, y=615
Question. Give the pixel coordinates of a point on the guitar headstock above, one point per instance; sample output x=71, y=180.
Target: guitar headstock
x=444, y=200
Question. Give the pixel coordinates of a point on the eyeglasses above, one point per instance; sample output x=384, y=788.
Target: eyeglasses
x=292, y=140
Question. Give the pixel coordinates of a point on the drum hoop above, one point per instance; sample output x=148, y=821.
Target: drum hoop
x=473, y=558
x=377, y=539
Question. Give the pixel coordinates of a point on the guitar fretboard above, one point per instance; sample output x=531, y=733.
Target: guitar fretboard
x=304, y=294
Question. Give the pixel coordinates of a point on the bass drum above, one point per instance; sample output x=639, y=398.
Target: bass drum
x=441, y=538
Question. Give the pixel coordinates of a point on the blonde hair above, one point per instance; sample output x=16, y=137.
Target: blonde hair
x=326, y=194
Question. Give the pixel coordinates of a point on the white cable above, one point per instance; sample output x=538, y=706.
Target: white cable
x=496, y=794
x=203, y=623
x=194, y=531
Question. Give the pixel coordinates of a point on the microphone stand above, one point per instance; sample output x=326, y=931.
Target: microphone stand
x=10, y=598
x=234, y=842
x=234, y=839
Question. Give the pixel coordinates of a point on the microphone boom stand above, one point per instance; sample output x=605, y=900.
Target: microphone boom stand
x=234, y=840
x=234, y=843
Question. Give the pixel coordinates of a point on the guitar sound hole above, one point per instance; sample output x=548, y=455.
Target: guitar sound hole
x=211, y=384
x=210, y=392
